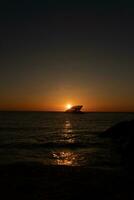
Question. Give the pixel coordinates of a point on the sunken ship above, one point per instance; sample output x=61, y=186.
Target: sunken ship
x=75, y=109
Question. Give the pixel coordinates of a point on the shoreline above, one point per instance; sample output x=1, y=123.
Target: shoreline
x=33, y=180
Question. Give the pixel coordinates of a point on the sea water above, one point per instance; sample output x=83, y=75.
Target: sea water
x=56, y=138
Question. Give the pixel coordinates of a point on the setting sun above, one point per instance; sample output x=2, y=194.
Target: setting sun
x=68, y=106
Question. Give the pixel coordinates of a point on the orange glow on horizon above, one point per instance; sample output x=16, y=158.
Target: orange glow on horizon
x=58, y=104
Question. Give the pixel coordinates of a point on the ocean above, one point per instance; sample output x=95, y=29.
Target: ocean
x=56, y=138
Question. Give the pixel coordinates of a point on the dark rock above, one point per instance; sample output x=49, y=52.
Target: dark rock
x=122, y=134
x=123, y=129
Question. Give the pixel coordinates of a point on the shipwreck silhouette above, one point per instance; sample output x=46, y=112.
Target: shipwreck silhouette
x=75, y=109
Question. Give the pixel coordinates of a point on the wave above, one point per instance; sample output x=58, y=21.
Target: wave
x=22, y=128
x=49, y=145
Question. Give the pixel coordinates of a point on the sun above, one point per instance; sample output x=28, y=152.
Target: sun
x=68, y=106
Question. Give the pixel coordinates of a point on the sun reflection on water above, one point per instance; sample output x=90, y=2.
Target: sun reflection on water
x=67, y=127
x=67, y=132
x=65, y=158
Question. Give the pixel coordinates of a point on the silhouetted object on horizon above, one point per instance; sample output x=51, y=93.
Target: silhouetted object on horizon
x=75, y=109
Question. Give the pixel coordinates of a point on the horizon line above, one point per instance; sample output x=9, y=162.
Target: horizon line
x=64, y=111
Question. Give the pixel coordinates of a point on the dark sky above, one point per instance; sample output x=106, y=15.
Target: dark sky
x=58, y=52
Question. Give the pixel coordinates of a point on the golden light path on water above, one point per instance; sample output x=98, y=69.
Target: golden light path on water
x=66, y=157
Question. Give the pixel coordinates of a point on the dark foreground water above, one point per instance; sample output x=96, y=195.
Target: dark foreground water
x=59, y=138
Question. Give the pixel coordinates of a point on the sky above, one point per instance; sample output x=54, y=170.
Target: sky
x=57, y=52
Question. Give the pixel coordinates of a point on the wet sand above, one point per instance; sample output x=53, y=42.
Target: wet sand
x=32, y=181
